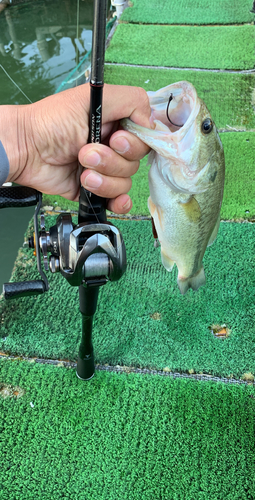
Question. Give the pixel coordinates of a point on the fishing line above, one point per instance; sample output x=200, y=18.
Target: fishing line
x=91, y=206
x=16, y=85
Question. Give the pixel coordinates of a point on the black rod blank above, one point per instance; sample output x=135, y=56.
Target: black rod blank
x=98, y=42
x=92, y=208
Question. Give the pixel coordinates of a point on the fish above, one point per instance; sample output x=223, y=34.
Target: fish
x=186, y=179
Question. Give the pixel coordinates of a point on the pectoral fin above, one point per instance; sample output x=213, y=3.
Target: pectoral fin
x=192, y=209
x=156, y=213
x=151, y=206
x=167, y=262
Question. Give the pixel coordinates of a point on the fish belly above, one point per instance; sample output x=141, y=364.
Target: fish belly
x=183, y=229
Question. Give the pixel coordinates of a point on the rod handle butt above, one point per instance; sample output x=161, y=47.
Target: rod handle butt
x=85, y=367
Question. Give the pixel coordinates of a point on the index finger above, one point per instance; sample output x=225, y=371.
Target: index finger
x=121, y=101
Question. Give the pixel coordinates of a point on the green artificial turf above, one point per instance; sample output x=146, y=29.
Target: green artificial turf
x=238, y=200
x=123, y=436
x=143, y=320
x=54, y=202
x=189, y=12
x=136, y=436
x=217, y=47
x=228, y=96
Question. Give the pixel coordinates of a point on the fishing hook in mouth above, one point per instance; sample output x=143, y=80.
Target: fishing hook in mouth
x=167, y=112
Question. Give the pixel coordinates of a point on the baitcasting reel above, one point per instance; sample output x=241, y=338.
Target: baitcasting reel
x=88, y=255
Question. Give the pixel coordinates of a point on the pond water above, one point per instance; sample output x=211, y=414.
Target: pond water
x=40, y=46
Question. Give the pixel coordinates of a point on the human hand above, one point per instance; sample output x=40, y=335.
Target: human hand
x=44, y=139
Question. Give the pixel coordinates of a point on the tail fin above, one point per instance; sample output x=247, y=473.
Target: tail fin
x=193, y=282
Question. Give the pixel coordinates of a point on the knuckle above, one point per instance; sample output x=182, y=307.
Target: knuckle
x=141, y=110
x=120, y=186
x=135, y=166
x=102, y=167
x=142, y=97
x=129, y=184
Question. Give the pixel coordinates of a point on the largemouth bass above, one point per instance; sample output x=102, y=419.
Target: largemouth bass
x=186, y=179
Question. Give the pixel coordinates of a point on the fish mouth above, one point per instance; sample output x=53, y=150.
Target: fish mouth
x=172, y=139
x=174, y=108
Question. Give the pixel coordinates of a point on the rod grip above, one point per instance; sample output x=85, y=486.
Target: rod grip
x=85, y=364
x=18, y=196
x=23, y=289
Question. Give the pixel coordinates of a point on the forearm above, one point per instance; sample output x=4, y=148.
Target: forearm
x=13, y=138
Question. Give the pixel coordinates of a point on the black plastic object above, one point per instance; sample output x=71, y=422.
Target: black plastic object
x=88, y=304
x=92, y=208
x=18, y=196
x=23, y=289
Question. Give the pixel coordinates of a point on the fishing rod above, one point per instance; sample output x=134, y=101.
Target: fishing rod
x=91, y=206
x=90, y=253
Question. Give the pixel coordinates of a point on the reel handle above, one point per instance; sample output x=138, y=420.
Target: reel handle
x=23, y=289
x=21, y=196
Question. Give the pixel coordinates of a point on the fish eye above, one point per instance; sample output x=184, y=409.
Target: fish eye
x=207, y=126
